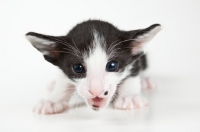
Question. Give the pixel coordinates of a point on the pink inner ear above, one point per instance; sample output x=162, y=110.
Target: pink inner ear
x=140, y=42
x=137, y=48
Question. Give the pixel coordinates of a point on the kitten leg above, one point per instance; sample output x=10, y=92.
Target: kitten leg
x=147, y=82
x=62, y=96
x=128, y=95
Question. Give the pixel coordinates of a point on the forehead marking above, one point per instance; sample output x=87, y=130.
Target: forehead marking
x=97, y=59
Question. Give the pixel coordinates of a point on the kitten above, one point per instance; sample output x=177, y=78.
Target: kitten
x=99, y=63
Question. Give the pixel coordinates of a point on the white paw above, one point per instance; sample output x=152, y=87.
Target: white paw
x=47, y=107
x=148, y=84
x=130, y=102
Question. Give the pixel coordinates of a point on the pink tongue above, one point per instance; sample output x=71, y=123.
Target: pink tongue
x=97, y=101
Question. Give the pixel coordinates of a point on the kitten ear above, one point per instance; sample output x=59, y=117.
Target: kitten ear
x=142, y=37
x=46, y=45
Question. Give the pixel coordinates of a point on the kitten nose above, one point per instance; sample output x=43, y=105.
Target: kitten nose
x=95, y=92
x=96, y=87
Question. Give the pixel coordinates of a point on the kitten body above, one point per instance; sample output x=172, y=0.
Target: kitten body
x=99, y=64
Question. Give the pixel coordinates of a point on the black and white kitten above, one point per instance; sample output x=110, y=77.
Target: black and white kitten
x=99, y=63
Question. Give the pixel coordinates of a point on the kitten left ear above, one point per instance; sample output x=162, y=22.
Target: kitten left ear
x=47, y=45
x=142, y=37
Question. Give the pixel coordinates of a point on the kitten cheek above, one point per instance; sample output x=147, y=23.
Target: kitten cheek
x=80, y=92
x=111, y=88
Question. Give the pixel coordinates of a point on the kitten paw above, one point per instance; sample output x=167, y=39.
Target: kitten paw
x=130, y=102
x=148, y=84
x=47, y=107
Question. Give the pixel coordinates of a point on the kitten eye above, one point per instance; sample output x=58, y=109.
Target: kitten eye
x=112, y=66
x=78, y=68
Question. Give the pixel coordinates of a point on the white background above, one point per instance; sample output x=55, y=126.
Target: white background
x=174, y=53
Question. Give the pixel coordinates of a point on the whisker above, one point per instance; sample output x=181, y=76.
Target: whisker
x=68, y=53
x=112, y=52
x=76, y=46
x=111, y=45
x=74, y=53
x=61, y=41
x=78, y=102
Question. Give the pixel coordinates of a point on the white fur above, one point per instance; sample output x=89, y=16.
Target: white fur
x=95, y=81
x=60, y=97
x=129, y=94
x=131, y=86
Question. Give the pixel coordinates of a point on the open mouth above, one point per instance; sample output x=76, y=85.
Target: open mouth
x=97, y=103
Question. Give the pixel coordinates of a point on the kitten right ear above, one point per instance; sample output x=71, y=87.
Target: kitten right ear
x=47, y=45
x=142, y=36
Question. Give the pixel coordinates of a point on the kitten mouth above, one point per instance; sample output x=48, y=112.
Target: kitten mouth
x=97, y=103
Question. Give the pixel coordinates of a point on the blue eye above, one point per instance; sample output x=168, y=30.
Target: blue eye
x=78, y=68
x=112, y=66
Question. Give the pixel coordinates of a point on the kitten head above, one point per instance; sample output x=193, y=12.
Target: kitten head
x=96, y=56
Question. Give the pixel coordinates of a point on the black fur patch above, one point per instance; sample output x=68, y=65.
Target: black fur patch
x=81, y=38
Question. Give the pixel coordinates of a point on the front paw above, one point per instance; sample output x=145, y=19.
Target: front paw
x=47, y=107
x=130, y=102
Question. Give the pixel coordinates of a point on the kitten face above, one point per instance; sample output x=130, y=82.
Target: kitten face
x=103, y=74
x=96, y=56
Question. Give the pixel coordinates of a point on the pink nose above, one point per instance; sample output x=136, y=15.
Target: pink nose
x=95, y=92
x=96, y=87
